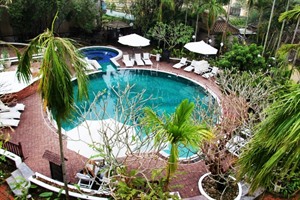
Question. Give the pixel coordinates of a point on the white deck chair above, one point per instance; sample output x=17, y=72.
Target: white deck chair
x=10, y=115
x=127, y=61
x=17, y=107
x=9, y=122
x=191, y=67
x=213, y=73
x=181, y=63
x=146, y=59
x=138, y=59
x=85, y=180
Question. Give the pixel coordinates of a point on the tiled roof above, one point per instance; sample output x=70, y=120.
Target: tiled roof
x=220, y=26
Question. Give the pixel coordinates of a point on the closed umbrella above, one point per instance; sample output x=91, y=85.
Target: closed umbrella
x=134, y=40
x=201, y=47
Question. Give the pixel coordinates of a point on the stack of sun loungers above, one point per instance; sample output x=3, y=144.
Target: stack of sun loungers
x=202, y=67
x=10, y=116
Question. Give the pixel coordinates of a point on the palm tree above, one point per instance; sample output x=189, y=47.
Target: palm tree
x=282, y=26
x=169, y=3
x=176, y=129
x=214, y=10
x=289, y=15
x=60, y=58
x=273, y=153
x=269, y=25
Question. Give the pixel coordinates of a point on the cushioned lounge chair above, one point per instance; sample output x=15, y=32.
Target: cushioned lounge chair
x=181, y=63
x=146, y=59
x=191, y=67
x=127, y=61
x=138, y=59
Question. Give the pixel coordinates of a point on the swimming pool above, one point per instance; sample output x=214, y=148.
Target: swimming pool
x=103, y=55
x=167, y=91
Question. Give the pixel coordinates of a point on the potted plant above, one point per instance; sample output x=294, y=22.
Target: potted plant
x=171, y=35
x=4, y=58
x=157, y=52
x=219, y=182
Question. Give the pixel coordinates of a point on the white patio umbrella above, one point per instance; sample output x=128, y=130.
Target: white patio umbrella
x=91, y=134
x=201, y=47
x=134, y=40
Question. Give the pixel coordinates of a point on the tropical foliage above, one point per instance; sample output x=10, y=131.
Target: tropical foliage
x=243, y=58
x=273, y=153
x=179, y=128
x=171, y=34
x=60, y=59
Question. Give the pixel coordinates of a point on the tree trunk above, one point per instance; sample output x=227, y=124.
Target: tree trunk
x=269, y=25
x=282, y=26
x=62, y=157
x=295, y=31
x=196, y=29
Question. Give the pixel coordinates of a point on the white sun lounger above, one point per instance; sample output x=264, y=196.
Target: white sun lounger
x=17, y=107
x=9, y=122
x=146, y=59
x=127, y=61
x=181, y=63
x=10, y=115
x=191, y=67
x=213, y=73
x=138, y=59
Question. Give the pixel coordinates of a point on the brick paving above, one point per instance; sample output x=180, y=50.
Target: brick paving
x=36, y=135
x=4, y=192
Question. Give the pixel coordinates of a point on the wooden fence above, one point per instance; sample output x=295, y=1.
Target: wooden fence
x=14, y=148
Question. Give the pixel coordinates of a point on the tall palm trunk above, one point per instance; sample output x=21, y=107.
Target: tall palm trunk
x=196, y=28
x=282, y=26
x=269, y=25
x=295, y=31
x=62, y=157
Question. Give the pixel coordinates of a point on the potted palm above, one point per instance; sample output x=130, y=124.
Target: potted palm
x=178, y=128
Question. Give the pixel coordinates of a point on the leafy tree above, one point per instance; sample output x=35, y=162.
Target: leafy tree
x=147, y=12
x=30, y=18
x=292, y=14
x=243, y=58
x=179, y=128
x=163, y=4
x=59, y=60
x=273, y=154
x=214, y=10
x=171, y=34
x=84, y=13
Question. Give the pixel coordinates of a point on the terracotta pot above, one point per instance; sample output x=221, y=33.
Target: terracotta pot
x=208, y=197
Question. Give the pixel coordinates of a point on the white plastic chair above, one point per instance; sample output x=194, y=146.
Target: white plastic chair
x=181, y=63
x=85, y=180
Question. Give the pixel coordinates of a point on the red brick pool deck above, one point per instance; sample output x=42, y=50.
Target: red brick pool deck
x=36, y=136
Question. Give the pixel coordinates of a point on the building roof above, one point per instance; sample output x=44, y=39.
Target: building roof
x=117, y=25
x=220, y=26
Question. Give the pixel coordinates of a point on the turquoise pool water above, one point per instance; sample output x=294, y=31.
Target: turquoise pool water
x=167, y=92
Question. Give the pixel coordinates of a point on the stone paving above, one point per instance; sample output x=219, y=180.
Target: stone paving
x=37, y=135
